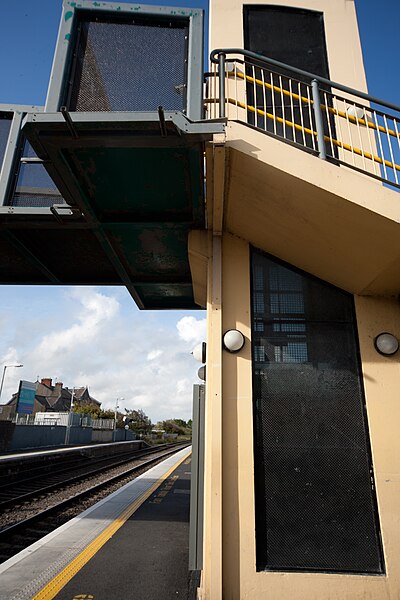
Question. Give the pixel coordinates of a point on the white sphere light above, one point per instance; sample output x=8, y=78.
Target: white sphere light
x=233, y=340
x=386, y=344
x=199, y=352
x=201, y=373
x=356, y=112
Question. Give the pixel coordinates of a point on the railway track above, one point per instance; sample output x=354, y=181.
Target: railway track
x=72, y=497
x=23, y=487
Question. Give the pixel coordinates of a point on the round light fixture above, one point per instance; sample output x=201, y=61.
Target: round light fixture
x=356, y=112
x=199, y=352
x=386, y=344
x=233, y=340
x=201, y=373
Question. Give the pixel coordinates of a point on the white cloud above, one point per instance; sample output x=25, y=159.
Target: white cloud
x=97, y=337
x=192, y=330
x=154, y=354
x=96, y=308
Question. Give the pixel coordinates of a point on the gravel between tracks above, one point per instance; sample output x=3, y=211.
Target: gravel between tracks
x=29, y=508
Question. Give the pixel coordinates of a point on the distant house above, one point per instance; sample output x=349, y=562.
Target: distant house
x=50, y=398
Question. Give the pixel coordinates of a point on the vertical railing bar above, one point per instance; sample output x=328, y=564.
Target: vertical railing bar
x=349, y=131
x=221, y=72
x=292, y=109
x=216, y=80
x=273, y=100
x=310, y=117
x=245, y=94
x=255, y=96
x=236, y=92
x=397, y=131
x=214, y=91
x=283, y=107
x=318, y=119
x=301, y=115
x=380, y=146
x=337, y=121
x=329, y=124
x=390, y=147
x=371, y=148
x=360, y=138
x=264, y=100
x=228, y=108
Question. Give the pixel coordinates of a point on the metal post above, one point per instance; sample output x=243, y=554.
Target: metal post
x=221, y=74
x=318, y=119
x=68, y=430
x=115, y=417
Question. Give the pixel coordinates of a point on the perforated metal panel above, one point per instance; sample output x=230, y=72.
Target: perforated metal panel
x=315, y=499
x=5, y=124
x=130, y=64
x=296, y=37
x=33, y=187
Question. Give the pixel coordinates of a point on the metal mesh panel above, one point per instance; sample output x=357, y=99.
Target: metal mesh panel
x=34, y=187
x=5, y=124
x=296, y=37
x=315, y=504
x=129, y=66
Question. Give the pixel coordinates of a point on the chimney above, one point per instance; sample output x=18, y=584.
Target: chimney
x=46, y=381
x=58, y=387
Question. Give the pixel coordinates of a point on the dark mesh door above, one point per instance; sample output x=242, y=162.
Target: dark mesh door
x=5, y=124
x=295, y=37
x=315, y=503
x=135, y=64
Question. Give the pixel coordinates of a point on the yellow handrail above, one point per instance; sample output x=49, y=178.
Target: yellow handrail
x=333, y=111
x=301, y=128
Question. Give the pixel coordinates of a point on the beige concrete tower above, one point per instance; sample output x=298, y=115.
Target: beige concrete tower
x=333, y=223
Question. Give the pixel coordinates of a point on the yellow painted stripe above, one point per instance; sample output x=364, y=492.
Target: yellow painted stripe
x=60, y=580
x=333, y=111
x=337, y=143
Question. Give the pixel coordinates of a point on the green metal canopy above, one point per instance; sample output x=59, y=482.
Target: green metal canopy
x=133, y=184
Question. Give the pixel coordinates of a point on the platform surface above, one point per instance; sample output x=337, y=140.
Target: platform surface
x=132, y=544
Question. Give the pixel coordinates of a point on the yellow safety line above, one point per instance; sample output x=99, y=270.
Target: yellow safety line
x=333, y=111
x=60, y=580
x=314, y=133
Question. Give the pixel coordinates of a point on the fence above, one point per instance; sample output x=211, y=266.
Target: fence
x=325, y=118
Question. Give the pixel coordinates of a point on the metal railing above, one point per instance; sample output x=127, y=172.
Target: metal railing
x=336, y=122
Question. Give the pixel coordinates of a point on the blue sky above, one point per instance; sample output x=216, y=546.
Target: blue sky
x=96, y=336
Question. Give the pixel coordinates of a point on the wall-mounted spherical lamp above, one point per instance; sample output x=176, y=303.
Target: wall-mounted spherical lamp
x=233, y=340
x=201, y=373
x=199, y=352
x=356, y=112
x=386, y=344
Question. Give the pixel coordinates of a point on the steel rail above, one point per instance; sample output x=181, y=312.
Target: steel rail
x=333, y=111
x=298, y=127
x=215, y=58
x=16, y=528
x=90, y=471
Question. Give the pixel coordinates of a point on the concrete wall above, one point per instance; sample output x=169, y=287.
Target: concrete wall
x=230, y=468
x=36, y=436
x=121, y=435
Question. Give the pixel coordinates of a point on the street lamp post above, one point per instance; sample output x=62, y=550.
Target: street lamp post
x=4, y=374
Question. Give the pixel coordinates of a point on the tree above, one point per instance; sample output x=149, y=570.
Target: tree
x=87, y=409
x=140, y=421
x=175, y=426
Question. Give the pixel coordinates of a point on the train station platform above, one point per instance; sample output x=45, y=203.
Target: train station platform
x=132, y=544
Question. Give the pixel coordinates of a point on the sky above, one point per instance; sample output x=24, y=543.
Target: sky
x=96, y=336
